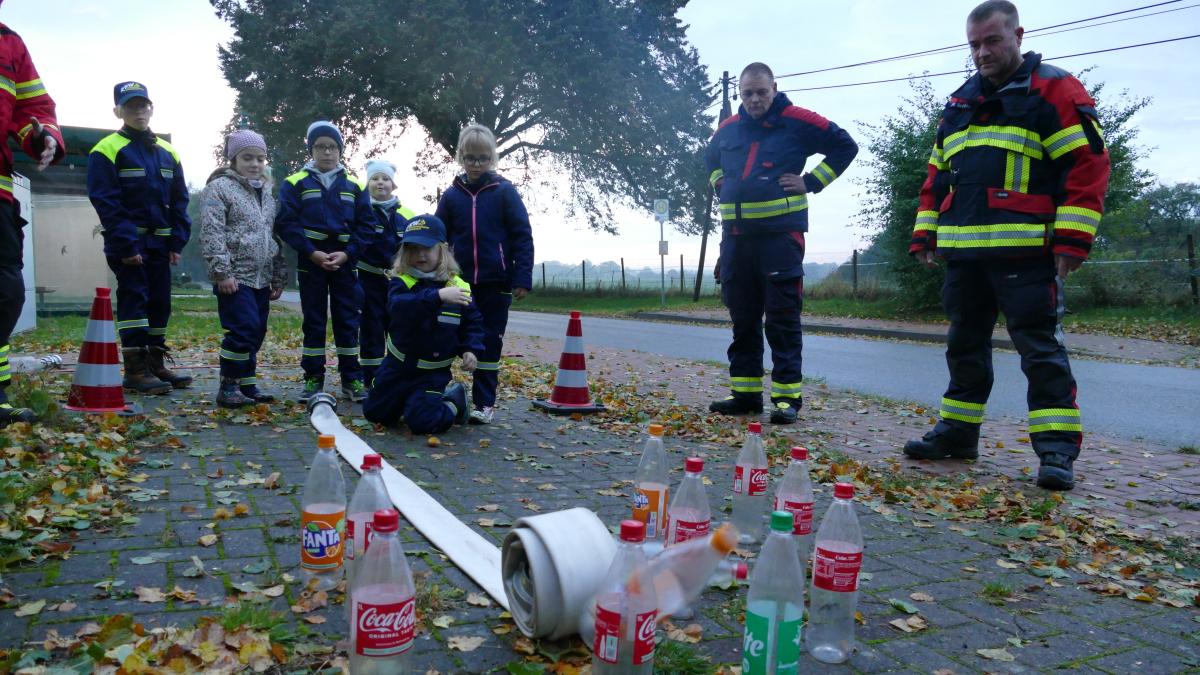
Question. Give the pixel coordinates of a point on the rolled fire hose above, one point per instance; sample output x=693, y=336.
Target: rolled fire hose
x=32, y=364
x=552, y=565
x=467, y=549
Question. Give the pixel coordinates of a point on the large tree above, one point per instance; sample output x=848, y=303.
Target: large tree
x=607, y=93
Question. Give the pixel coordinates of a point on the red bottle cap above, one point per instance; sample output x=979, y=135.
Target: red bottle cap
x=575, y=314
x=326, y=441
x=372, y=461
x=799, y=452
x=754, y=427
x=103, y=292
x=740, y=571
x=386, y=520
x=693, y=465
x=843, y=491
x=633, y=530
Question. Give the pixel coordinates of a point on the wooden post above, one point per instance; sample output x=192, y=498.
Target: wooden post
x=854, y=271
x=1192, y=271
x=583, y=268
x=682, y=290
x=622, y=276
x=543, y=276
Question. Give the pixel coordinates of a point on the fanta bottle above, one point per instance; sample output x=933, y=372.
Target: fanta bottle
x=323, y=518
x=650, y=495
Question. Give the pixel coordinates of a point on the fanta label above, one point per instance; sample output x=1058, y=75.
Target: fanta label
x=321, y=540
x=384, y=630
x=648, y=507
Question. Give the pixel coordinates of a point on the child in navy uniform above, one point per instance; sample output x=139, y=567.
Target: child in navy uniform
x=136, y=184
x=431, y=320
x=489, y=231
x=325, y=214
x=376, y=261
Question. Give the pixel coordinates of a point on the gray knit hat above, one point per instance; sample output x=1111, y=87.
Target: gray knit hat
x=242, y=139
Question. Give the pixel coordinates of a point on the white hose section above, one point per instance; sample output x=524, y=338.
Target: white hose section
x=467, y=549
x=33, y=364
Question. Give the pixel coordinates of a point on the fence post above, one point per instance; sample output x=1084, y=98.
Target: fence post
x=543, y=276
x=583, y=268
x=682, y=290
x=854, y=271
x=1192, y=271
x=622, y=276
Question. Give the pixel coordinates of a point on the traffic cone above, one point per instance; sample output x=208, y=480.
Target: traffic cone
x=97, y=384
x=570, y=393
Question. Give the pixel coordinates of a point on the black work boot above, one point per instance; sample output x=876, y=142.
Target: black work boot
x=945, y=441
x=785, y=411
x=456, y=395
x=737, y=405
x=156, y=362
x=354, y=390
x=1056, y=471
x=10, y=414
x=252, y=391
x=137, y=376
x=312, y=387
x=230, y=395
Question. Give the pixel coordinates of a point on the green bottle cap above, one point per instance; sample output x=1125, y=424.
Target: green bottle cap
x=781, y=521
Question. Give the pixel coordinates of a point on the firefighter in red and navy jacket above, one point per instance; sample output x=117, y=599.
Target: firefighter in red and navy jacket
x=27, y=112
x=1013, y=197
x=135, y=182
x=756, y=164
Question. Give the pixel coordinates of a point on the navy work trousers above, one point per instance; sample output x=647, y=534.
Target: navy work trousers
x=143, y=298
x=493, y=302
x=412, y=395
x=374, y=322
x=340, y=293
x=243, y=315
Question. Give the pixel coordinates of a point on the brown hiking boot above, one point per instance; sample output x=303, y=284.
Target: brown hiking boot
x=137, y=376
x=155, y=363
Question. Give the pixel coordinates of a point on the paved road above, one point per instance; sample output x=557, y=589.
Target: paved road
x=1158, y=403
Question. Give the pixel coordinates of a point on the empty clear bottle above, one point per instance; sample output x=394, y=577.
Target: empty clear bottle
x=774, y=604
x=681, y=572
x=383, y=614
x=323, y=518
x=370, y=496
x=651, y=485
x=837, y=559
x=626, y=608
x=795, y=495
x=689, y=516
x=750, y=486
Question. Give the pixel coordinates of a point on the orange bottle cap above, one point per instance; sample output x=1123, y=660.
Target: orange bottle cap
x=725, y=538
x=326, y=441
x=656, y=430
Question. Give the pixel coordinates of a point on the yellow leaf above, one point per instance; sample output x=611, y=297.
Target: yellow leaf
x=31, y=608
x=207, y=652
x=443, y=621
x=478, y=599
x=241, y=509
x=546, y=486
x=148, y=594
x=209, y=539
x=222, y=513
x=464, y=643
x=315, y=619
x=433, y=441
x=1006, y=564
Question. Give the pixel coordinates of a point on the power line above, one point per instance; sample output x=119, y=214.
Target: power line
x=938, y=50
x=960, y=72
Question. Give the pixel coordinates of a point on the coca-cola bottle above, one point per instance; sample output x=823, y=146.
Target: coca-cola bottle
x=370, y=496
x=323, y=518
x=750, y=486
x=837, y=559
x=795, y=495
x=774, y=604
x=651, y=485
x=682, y=571
x=689, y=516
x=625, y=610
x=383, y=615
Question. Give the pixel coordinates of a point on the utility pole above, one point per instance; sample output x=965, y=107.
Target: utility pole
x=726, y=113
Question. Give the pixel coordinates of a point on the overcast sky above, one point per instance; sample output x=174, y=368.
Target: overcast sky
x=83, y=47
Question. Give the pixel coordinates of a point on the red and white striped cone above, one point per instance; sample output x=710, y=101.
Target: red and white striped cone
x=97, y=385
x=570, y=393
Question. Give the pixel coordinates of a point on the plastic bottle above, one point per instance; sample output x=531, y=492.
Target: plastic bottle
x=795, y=495
x=774, y=604
x=370, y=496
x=681, y=572
x=689, y=516
x=323, y=518
x=837, y=559
x=750, y=486
x=625, y=610
x=383, y=603
x=652, y=485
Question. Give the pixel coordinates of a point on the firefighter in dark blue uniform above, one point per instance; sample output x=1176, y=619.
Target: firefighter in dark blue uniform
x=325, y=214
x=756, y=164
x=136, y=184
x=1013, y=197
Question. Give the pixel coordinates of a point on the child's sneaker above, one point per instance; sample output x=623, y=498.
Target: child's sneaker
x=456, y=396
x=312, y=387
x=483, y=415
x=354, y=390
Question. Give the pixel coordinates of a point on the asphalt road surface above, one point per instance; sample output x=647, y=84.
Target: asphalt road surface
x=1158, y=403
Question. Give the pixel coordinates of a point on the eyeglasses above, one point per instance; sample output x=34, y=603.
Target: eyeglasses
x=476, y=159
x=322, y=147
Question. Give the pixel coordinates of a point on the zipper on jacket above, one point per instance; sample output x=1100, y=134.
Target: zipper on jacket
x=474, y=239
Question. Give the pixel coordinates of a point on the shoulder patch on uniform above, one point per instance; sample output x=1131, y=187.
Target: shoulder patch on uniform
x=168, y=147
x=795, y=112
x=110, y=145
x=458, y=281
x=408, y=280
x=297, y=177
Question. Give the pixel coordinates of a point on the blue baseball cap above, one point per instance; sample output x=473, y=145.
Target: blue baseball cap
x=124, y=92
x=427, y=230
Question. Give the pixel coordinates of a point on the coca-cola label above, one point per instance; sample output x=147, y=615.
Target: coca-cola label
x=802, y=514
x=753, y=485
x=352, y=541
x=607, y=643
x=384, y=630
x=686, y=530
x=321, y=540
x=757, y=637
x=834, y=571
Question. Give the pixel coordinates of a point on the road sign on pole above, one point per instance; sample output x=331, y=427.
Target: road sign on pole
x=662, y=212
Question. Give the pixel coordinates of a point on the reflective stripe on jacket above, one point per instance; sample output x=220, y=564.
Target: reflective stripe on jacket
x=389, y=230
x=426, y=333
x=1019, y=171
x=312, y=217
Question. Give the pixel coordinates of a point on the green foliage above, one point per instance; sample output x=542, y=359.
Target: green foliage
x=610, y=94
x=679, y=659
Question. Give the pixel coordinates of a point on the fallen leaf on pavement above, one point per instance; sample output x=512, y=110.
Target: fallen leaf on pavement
x=31, y=608
x=490, y=508
x=315, y=619
x=443, y=621
x=464, y=643
x=1006, y=564
x=271, y=481
x=996, y=654
x=149, y=594
x=209, y=539
x=921, y=597
x=911, y=624
x=478, y=599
